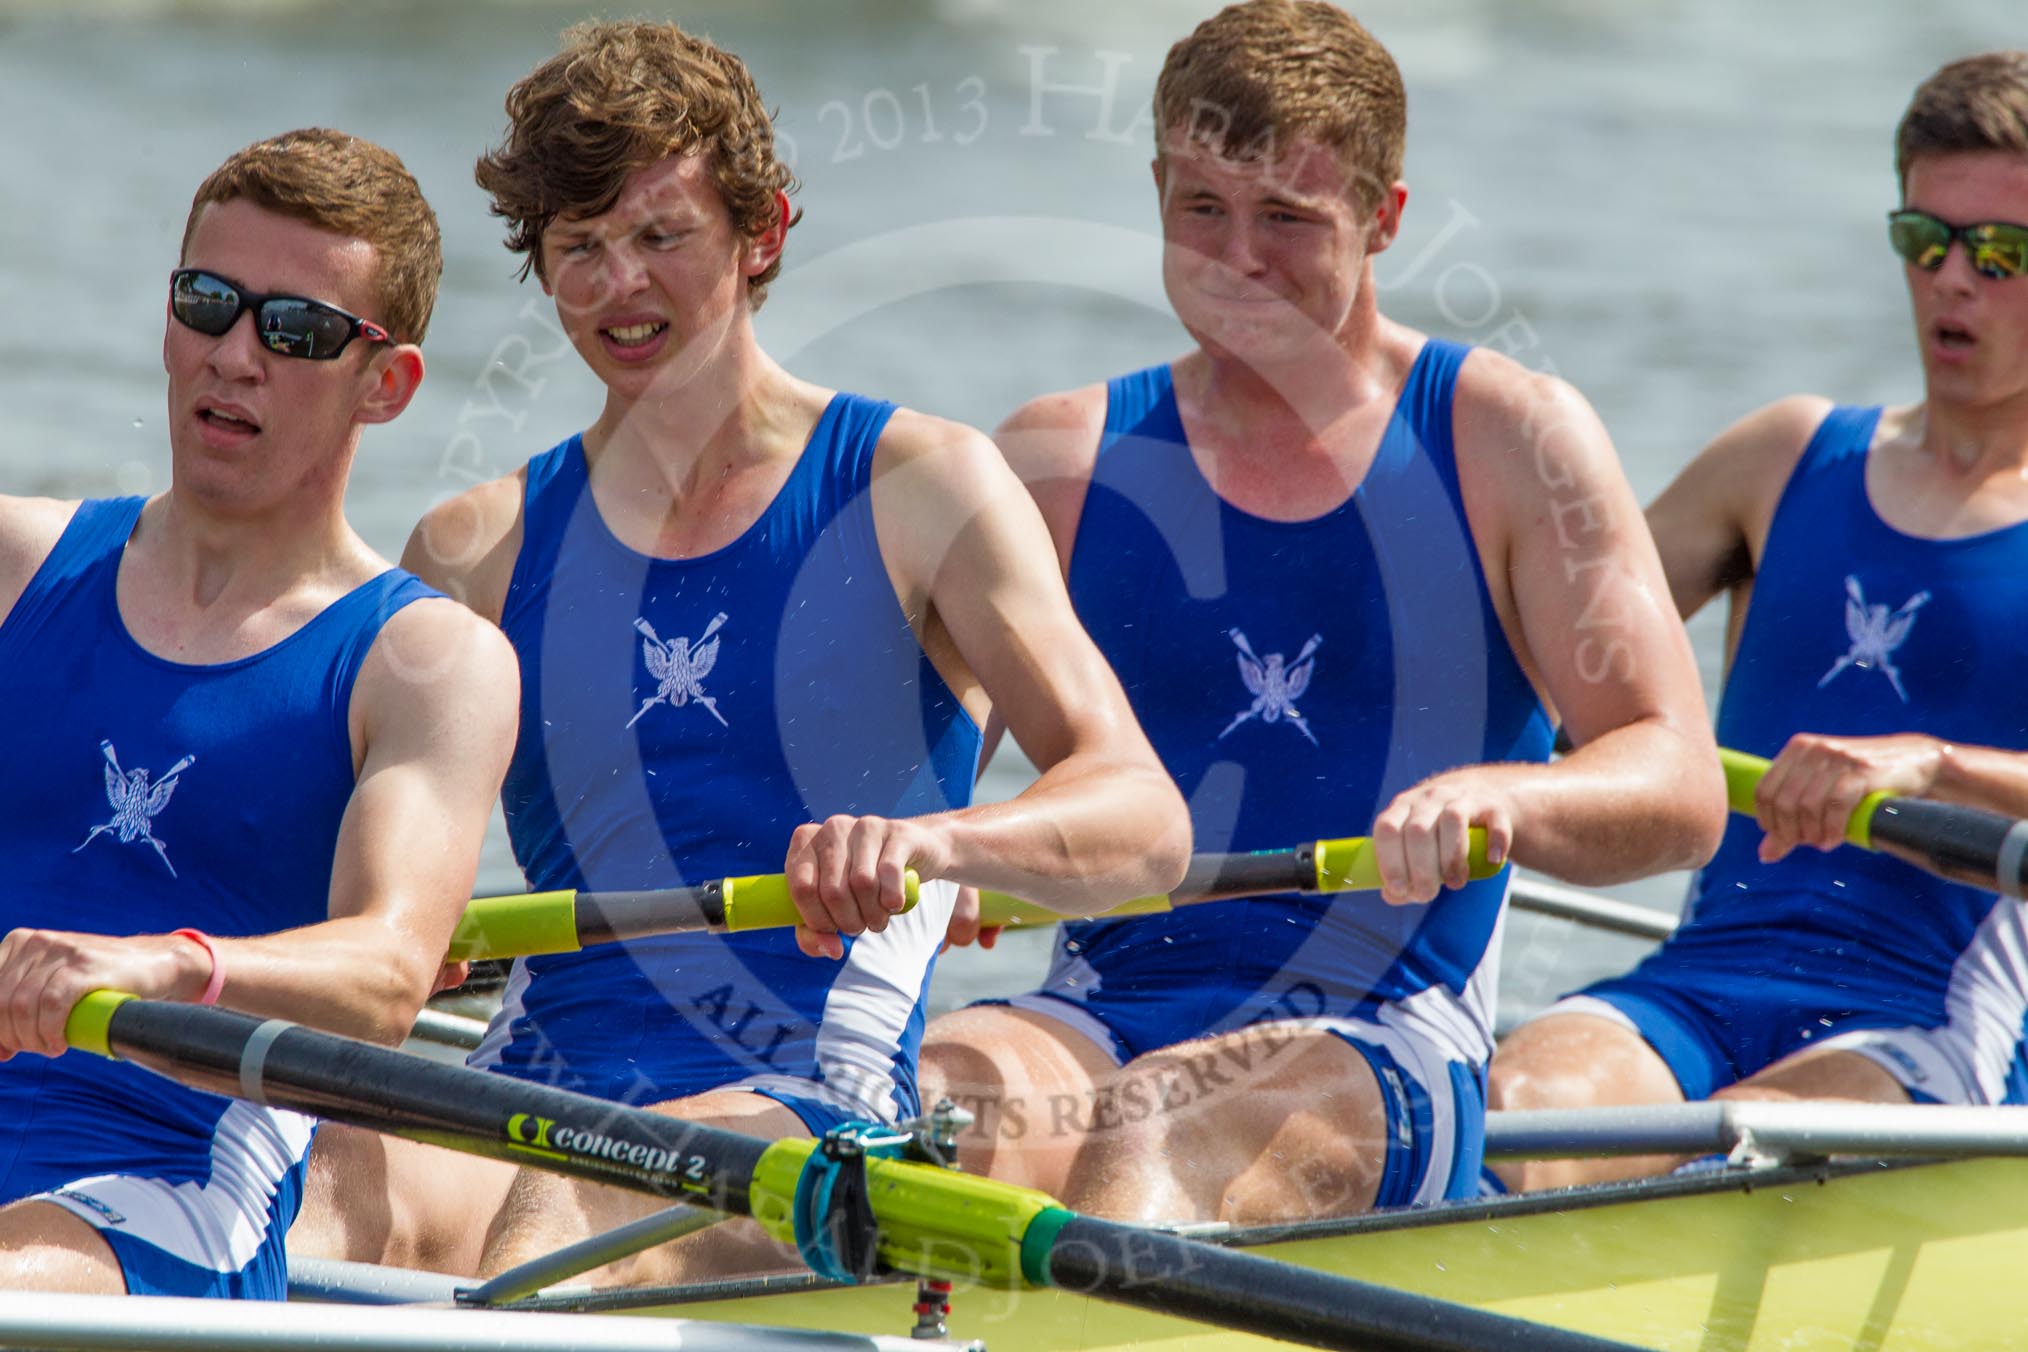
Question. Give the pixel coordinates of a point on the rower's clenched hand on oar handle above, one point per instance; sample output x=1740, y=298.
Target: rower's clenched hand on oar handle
x=1965, y=844
x=564, y=922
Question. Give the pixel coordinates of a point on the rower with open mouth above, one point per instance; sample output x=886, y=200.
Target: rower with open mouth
x=1876, y=561
x=249, y=763
x=760, y=624
x=1342, y=569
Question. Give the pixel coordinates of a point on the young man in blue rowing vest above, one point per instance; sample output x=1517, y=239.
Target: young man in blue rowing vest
x=1876, y=560
x=250, y=763
x=1339, y=567
x=759, y=626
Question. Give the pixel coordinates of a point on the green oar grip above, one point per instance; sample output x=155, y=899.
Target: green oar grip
x=90, y=1020
x=762, y=901
x=1349, y=865
x=514, y=927
x=1744, y=772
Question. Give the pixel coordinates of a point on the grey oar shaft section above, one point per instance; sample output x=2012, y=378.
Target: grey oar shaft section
x=1768, y=1130
x=166, y=1324
x=1295, y=1304
x=572, y=1260
x=1593, y=912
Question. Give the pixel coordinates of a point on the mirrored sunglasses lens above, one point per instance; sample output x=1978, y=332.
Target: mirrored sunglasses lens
x=1999, y=251
x=1922, y=240
x=297, y=328
x=204, y=303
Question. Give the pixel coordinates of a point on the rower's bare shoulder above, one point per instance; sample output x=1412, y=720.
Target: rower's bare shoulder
x=929, y=464
x=1753, y=458
x=1056, y=436
x=1052, y=444
x=465, y=546
x=439, y=675
x=29, y=529
x=1722, y=503
x=1530, y=434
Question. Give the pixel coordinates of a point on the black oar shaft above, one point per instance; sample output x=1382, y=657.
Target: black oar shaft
x=1173, y=1276
x=604, y=917
x=384, y=1090
x=1964, y=844
x=1217, y=877
x=274, y=1062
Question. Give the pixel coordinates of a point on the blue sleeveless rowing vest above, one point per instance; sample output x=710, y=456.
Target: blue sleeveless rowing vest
x=1294, y=676
x=679, y=719
x=1856, y=628
x=144, y=795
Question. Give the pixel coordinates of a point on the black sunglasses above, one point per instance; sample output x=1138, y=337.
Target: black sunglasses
x=294, y=326
x=1997, y=249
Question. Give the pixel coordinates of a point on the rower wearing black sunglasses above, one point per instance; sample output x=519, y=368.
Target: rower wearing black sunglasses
x=249, y=763
x=294, y=326
x=1884, y=554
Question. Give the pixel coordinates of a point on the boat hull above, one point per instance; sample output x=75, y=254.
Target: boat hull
x=1892, y=1257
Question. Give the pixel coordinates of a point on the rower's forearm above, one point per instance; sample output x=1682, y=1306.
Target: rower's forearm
x=1084, y=837
x=1983, y=776
x=353, y=975
x=1642, y=799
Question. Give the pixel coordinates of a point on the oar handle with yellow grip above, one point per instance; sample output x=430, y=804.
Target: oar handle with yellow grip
x=564, y=922
x=1346, y=865
x=1964, y=844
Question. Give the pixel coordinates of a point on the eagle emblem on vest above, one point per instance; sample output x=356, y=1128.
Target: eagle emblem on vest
x=136, y=802
x=679, y=667
x=1875, y=634
x=1275, y=684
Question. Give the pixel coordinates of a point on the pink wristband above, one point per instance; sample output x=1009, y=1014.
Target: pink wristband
x=217, y=982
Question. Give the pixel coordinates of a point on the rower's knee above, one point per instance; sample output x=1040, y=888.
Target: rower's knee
x=376, y=1199
x=347, y=1211
x=1576, y=1061
x=541, y=1212
x=1027, y=1083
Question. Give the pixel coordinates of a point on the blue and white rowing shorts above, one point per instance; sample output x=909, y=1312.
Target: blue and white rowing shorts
x=818, y=1105
x=219, y=1237
x=1435, y=1102
x=1714, y=1025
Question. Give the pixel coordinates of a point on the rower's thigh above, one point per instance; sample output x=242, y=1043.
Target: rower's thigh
x=1577, y=1061
x=1279, y=1121
x=380, y=1199
x=1029, y=1081
x=45, y=1248
x=1820, y=1073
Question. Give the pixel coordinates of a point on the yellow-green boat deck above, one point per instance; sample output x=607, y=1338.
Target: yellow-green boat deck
x=1848, y=1257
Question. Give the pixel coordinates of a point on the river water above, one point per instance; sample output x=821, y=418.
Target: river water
x=1676, y=204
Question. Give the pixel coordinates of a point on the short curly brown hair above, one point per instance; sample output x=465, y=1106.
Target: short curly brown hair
x=349, y=186
x=1257, y=74
x=618, y=98
x=1979, y=103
